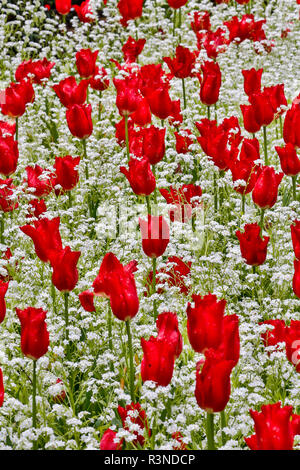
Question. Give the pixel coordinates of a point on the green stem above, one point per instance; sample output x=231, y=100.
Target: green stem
x=223, y=425
x=99, y=109
x=294, y=183
x=131, y=377
x=85, y=158
x=34, y=421
x=261, y=223
x=69, y=199
x=127, y=137
x=66, y=301
x=174, y=22
x=243, y=203
x=148, y=205
x=266, y=146
x=183, y=92
x=17, y=128
x=210, y=431
x=208, y=112
x=2, y=229
x=109, y=327
x=53, y=295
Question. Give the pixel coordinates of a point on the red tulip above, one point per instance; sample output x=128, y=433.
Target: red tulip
x=7, y=199
x=3, y=290
x=155, y=235
x=7, y=129
x=277, y=98
x=64, y=269
x=245, y=28
x=60, y=397
x=265, y=191
x=140, y=176
x=132, y=49
x=262, y=107
x=63, y=6
x=177, y=3
x=183, y=141
x=130, y=10
x=109, y=441
x=84, y=12
x=86, y=62
x=275, y=335
x=134, y=414
x=66, y=171
x=250, y=122
x=229, y=347
x=214, y=42
x=291, y=132
x=46, y=238
x=292, y=343
x=177, y=271
x=245, y=169
x=99, y=81
x=154, y=144
x=9, y=155
x=184, y=198
x=70, y=93
x=79, y=118
x=253, y=246
x=289, y=160
x=295, y=231
x=167, y=327
x=181, y=66
x=86, y=299
x=296, y=278
x=162, y=106
x=210, y=83
x=213, y=382
x=252, y=81
x=17, y=96
x=142, y=115
x=128, y=97
x=158, y=361
x=36, y=208
x=34, y=334
x=201, y=21
x=1, y=388
x=40, y=180
x=205, y=322
x=273, y=428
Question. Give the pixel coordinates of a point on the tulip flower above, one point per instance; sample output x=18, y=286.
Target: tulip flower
x=99, y=81
x=84, y=12
x=40, y=180
x=140, y=176
x=86, y=62
x=155, y=235
x=252, y=81
x=185, y=199
x=250, y=123
x=17, y=96
x=134, y=414
x=273, y=428
x=292, y=343
x=9, y=155
x=162, y=106
x=1, y=388
x=210, y=83
x=253, y=245
x=70, y=93
x=36, y=71
x=291, y=133
x=214, y=42
x=177, y=3
x=79, y=118
x=275, y=335
x=36, y=208
x=296, y=278
x=158, y=361
x=46, y=237
x=183, y=141
x=201, y=21
x=86, y=299
x=3, y=290
x=167, y=327
x=265, y=191
x=205, y=322
x=64, y=266
x=63, y=6
x=7, y=129
x=277, y=98
x=295, y=231
x=154, y=144
x=290, y=163
x=109, y=441
x=142, y=115
x=7, y=202
x=130, y=10
x=177, y=271
x=60, y=397
x=131, y=49
x=66, y=172
x=229, y=347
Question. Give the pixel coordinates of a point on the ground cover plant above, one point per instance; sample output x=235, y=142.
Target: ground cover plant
x=149, y=225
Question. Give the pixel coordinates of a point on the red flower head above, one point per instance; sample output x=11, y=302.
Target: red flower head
x=182, y=199
x=63, y=6
x=70, y=93
x=17, y=96
x=277, y=98
x=142, y=115
x=161, y=104
x=155, y=235
x=253, y=246
x=66, y=172
x=128, y=97
x=295, y=231
x=7, y=199
x=182, y=64
x=79, y=118
x=130, y=10
x=292, y=343
x=140, y=176
x=36, y=71
x=86, y=62
x=213, y=382
x=116, y=282
x=1, y=388
x=177, y=271
x=154, y=144
x=205, y=322
x=86, y=299
x=210, y=83
x=3, y=290
x=265, y=191
x=99, y=81
x=84, y=12
x=34, y=334
x=183, y=141
x=177, y=3
x=109, y=441
x=229, y=348
x=46, y=237
x=40, y=180
x=36, y=208
x=250, y=123
x=132, y=49
x=64, y=269
x=214, y=42
x=244, y=168
x=291, y=132
x=9, y=155
x=201, y=21
x=167, y=327
x=289, y=160
x=296, y=278
x=252, y=81
x=273, y=428
x=7, y=129
x=245, y=28
x=275, y=335
x=158, y=361
x=262, y=108
x=60, y=397
x=133, y=414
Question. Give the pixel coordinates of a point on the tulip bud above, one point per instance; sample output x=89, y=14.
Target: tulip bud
x=86, y=62
x=79, y=118
x=265, y=191
x=34, y=334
